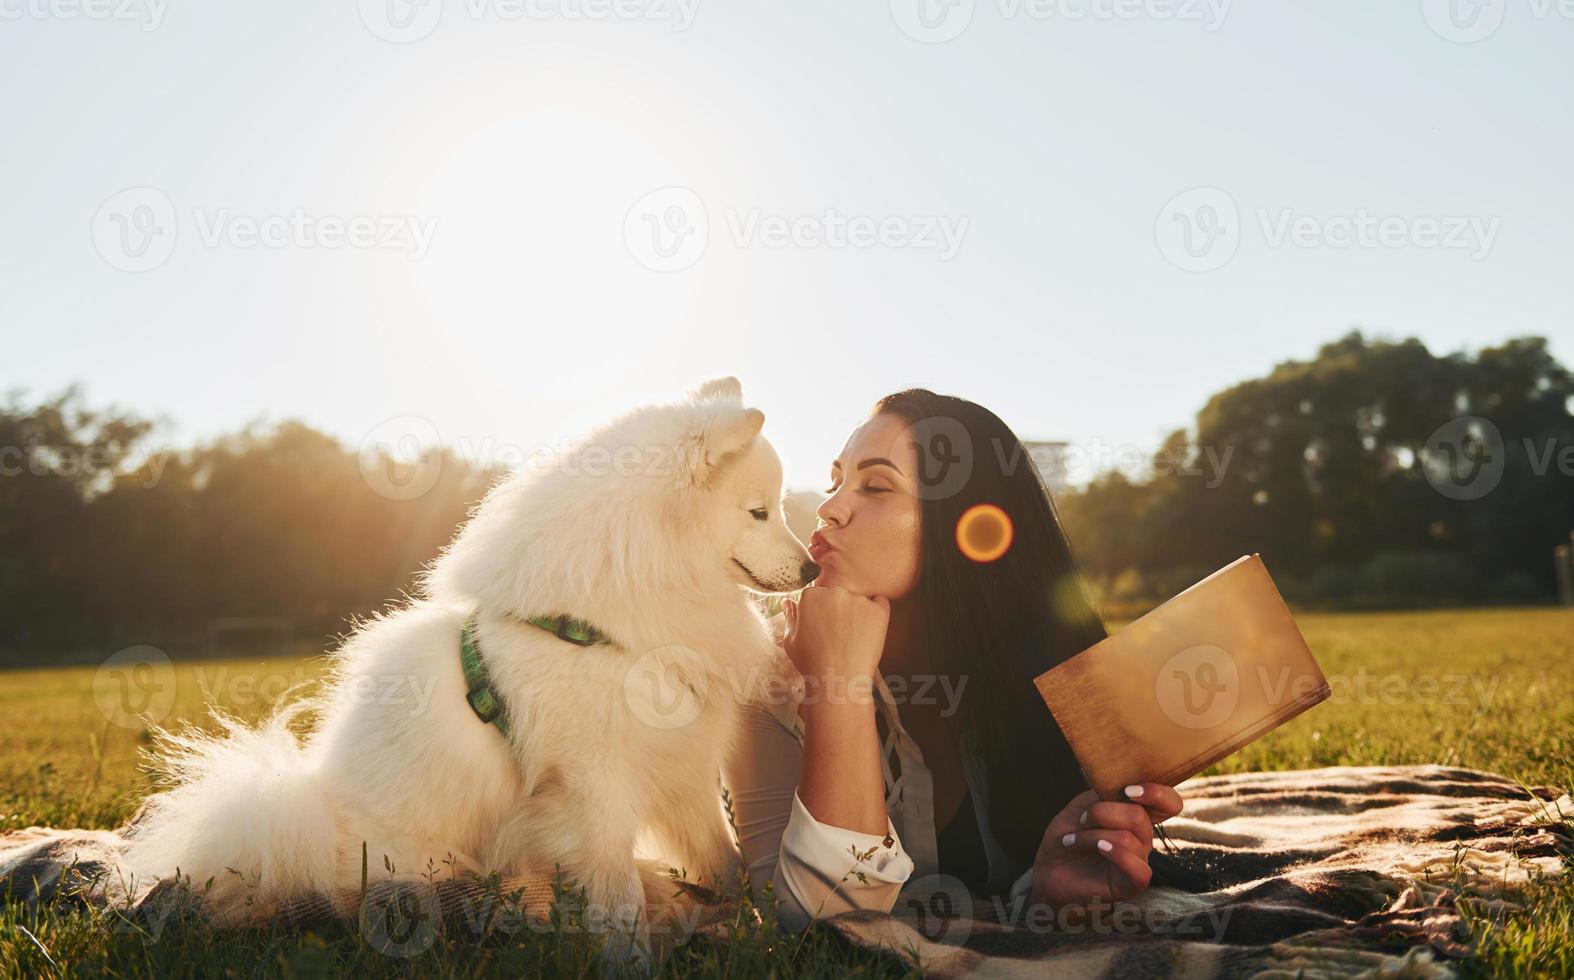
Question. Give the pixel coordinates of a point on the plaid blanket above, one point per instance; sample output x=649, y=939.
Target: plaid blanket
x=1336, y=872
x=1317, y=873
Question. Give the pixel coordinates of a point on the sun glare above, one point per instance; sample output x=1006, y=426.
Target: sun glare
x=529, y=269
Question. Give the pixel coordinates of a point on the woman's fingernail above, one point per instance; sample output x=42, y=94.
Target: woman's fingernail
x=1106, y=846
x=1133, y=791
x=1083, y=820
x=1069, y=839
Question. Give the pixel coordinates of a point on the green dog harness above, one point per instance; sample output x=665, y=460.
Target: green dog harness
x=484, y=701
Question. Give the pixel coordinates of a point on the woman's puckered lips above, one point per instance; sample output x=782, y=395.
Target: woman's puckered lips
x=819, y=546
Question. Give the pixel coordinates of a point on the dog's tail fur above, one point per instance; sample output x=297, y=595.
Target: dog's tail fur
x=246, y=818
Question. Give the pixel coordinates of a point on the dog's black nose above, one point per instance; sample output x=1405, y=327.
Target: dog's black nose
x=808, y=570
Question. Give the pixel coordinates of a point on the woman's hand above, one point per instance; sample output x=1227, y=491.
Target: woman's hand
x=834, y=638
x=835, y=635
x=1107, y=853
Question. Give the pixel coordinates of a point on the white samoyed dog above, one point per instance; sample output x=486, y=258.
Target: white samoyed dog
x=648, y=531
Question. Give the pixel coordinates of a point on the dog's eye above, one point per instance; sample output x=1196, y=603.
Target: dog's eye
x=760, y=514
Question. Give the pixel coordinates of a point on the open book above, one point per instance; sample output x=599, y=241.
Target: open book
x=1213, y=669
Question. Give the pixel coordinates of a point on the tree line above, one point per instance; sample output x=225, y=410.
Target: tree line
x=1376, y=474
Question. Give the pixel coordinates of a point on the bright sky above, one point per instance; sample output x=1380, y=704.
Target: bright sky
x=346, y=212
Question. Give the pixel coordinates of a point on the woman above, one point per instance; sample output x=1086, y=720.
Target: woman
x=847, y=789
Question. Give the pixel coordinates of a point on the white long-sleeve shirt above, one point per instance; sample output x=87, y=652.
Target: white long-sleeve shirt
x=813, y=864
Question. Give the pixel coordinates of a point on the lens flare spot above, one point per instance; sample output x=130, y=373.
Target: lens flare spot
x=983, y=532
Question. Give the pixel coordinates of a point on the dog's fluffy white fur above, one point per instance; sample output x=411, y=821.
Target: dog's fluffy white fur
x=650, y=529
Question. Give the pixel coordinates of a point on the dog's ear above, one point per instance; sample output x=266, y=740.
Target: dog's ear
x=735, y=434
x=728, y=388
x=721, y=434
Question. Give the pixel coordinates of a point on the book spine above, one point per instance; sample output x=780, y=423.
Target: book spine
x=1245, y=737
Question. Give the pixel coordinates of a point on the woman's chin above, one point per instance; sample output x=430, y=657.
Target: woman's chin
x=830, y=580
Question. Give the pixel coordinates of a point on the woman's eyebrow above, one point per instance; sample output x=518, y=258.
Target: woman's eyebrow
x=879, y=461
x=836, y=464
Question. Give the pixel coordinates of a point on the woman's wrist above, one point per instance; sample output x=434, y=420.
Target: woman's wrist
x=840, y=783
x=834, y=687
x=836, y=713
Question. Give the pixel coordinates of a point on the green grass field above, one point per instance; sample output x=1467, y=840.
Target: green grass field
x=1482, y=689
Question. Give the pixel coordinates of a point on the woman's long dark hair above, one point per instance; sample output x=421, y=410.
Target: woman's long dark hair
x=999, y=623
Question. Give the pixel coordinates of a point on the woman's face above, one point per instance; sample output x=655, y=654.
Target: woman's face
x=868, y=539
